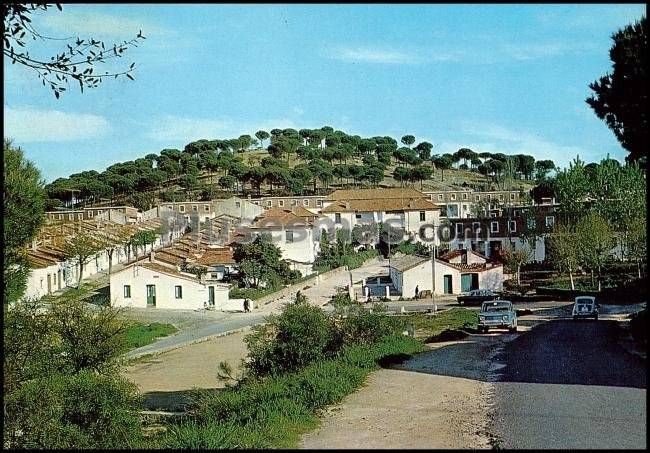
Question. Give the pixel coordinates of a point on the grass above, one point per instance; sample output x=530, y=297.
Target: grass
x=429, y=326
x=138, y=335
x=275, y=412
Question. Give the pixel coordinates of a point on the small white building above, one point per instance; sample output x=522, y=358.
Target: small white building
x=456, y=272
x=147, y=284
x=292, y=231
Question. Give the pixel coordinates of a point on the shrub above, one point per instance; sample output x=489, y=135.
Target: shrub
x=300, y=335
x=272, y=412
x=363, y=326
x=85, y=410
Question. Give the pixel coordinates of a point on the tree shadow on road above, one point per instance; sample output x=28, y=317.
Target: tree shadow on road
x=555, y=352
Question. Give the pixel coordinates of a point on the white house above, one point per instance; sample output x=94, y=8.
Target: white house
x=236, y=207
x=408, y=209
x=291, y=230
x=456, y=272
x=147, y=284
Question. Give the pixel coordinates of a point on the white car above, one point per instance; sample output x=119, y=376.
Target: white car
x=585, y=307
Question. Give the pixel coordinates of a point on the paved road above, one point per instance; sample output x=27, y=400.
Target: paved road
x=569, y=385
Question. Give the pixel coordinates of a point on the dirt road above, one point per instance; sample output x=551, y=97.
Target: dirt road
x=438, y=399
x=165, y=379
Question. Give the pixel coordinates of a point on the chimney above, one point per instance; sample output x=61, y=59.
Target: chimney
x=151, y=256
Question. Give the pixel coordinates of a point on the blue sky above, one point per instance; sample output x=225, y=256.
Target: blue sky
x=498, y=78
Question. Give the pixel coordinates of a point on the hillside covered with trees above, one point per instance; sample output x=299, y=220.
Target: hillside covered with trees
x=291, y=162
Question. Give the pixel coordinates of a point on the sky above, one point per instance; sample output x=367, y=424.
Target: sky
x=496, y=78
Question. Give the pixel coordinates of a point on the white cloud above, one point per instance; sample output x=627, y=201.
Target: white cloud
x=27, y=124
x=371, y=55
x=485, y=52
x=86, y=23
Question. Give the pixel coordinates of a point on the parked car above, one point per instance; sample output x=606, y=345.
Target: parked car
x=477, y=297
x=585, y=307
x=497, y=314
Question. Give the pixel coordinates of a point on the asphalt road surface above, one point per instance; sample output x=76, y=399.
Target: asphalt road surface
x=568, y=384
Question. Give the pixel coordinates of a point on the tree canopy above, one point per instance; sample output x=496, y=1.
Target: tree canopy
x=620, y=98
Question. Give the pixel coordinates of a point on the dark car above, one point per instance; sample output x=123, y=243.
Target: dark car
x=477, y=297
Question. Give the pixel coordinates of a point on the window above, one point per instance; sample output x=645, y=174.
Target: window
x=550, y=221
x=431, y=196
x=494, y=227
x=464, y=207
x=358, y=216
x=512, y=196
x=500, y=197
x=178, y=290
x=268, y=203
x=489, y=197
x=477, y=198
x=70, y=216
x=238, y=204
x=461, y=246
x=493, y=214
x=289, y=236
x=459, y=229
x=305, y=202
x=337, y=217
x=512, y=226
x=60, y=216
x=422, y=216
x=453, y=196
x=80, y=216
x=171, y=208
x=476, y=226
x=206, y=208
x=465, y=196
x=294, y=202
x=90, y=214
x=319, y=203
x=516, y=213
x=280, y=203
x=181, y=208
x=439, y=197
x=195, y=208
x=127, y=291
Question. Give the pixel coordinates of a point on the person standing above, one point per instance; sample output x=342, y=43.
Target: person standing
x=416, y=291
x=246, y=306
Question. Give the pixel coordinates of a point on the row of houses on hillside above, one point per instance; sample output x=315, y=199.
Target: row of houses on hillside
x=116, y=214
x=51, y=270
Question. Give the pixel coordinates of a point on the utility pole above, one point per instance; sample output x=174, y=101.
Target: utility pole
x=433, y=272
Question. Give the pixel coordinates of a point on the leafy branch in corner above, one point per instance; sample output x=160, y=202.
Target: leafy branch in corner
x=75, y=62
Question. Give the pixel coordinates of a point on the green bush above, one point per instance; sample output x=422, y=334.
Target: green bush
x=300, y=335
x=363, y=326
x=85, y=410
x=273, y=412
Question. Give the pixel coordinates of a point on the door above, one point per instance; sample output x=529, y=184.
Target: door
x=465, y=283
x=49, y=283
x=474, y=281
x=211, y=296
x=447, y=284
x=58, y=280
x=151, y=295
